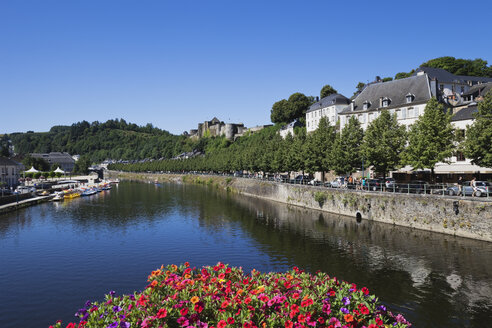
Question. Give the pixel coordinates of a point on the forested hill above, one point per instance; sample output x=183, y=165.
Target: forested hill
x=114, y=139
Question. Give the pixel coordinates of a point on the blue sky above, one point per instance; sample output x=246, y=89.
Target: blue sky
x=177, y=63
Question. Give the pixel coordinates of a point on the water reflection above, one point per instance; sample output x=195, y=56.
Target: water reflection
x=84, y=247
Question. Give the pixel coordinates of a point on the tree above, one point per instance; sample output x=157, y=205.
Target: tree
x=82, y=165
x=360, y=86
x=383, y=142
x=5, y=146
x=478, y=142
x=327, y=90
x=430, y=139
x=296, y=153
x=476, y=67
x=281, y=112
x=285, y=111
x=346, y=152
x=318, y=147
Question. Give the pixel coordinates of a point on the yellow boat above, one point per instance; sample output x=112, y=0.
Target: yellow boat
x=71, y=194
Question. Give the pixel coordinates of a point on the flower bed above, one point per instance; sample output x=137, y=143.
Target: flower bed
x=220, y=296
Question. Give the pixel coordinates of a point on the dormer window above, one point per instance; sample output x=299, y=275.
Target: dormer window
x=386, y=102
x=410, y=97
x=366, y=105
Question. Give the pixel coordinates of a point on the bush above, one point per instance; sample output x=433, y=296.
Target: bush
x=221, y=296
x=320, y=197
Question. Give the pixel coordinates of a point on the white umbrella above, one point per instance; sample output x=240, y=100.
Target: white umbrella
x=32, y=170
x=58, y=170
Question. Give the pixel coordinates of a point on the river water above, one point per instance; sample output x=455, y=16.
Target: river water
x=55, y=256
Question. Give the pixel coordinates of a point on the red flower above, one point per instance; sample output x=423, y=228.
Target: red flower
x=222, y=276
x=247, y=300
x=230, y=320
x=365, y=291
x=221, y=324
x=162, y=313
x=199, y=307
x=289, y=324
x=187, y=264
x=71, y=325
x=224, y=304
x=301, y=318
x=321, y=320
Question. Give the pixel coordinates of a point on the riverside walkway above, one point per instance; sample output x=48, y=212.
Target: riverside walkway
x=23, y=203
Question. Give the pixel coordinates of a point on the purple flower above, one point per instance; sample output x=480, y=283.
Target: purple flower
x=112, y=293
x=382, y=308
x=113, y=325
x=345, y=301
x=132, y=297
x=200, y=324
x=117, y=309
x=124, y=324
x=345, y=310
x=88, y=304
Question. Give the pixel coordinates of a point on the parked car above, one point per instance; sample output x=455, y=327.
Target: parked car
x=390, y=184
x=338, y=182
x=300, y=179
x=374, y=184
x=314, y=182
x=483, y=187
x=24, y=189
x=415, y=187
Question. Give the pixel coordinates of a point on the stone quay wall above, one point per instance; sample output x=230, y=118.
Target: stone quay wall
x=464, y=217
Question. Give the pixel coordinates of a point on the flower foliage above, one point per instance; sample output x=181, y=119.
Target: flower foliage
x=221, y=296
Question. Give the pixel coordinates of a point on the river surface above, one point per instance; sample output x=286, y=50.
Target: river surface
x=55, y=256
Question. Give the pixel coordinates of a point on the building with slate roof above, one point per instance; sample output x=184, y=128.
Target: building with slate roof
x=9, y=172
x=329, y=107
x=289, y=128
x=65, y=160
x=450, y=88
x=405, y=97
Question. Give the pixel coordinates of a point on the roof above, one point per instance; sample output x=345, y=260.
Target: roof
x=465, y=114
x=444, y=76
x=333, y=99
x=396, y=91
x=291, y=125
x=481, y=89
x=55, y=157
x=4, y=161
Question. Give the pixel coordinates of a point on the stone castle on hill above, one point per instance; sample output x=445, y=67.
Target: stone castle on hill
x=215, y=128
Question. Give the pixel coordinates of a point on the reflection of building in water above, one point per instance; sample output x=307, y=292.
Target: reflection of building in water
x=431, y=260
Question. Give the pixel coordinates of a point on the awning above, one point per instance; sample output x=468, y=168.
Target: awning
x=32, y=170
x=58, y=170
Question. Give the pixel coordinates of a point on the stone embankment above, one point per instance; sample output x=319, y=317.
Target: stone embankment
x=464, y=217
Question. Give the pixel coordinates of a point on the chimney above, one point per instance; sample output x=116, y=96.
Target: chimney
x=317, y=98
x=380, y=101
x=352, y=106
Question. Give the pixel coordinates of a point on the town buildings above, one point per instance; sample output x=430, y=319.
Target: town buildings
x=215, y=128
x=328, y=107
x=9, y=172
x=407, y=98
x=64, y=160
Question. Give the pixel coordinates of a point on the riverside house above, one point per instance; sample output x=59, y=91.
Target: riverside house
x=9, y=172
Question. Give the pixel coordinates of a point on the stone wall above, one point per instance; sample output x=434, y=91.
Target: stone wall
x=473, y=218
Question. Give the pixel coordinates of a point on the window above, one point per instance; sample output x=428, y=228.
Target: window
x=361, y=118
x=398, y=114
x=409, y=98
x=410, y=112
x=403, y=113
x=441, y=87
x=385, y=103
x=366, y=105
x=371, y=117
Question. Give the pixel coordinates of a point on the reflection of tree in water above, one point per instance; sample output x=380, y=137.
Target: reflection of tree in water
x=417, y=270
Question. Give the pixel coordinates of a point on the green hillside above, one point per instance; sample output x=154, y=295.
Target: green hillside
x=114, y=139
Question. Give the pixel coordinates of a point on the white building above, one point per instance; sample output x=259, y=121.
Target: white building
x=9, y=172
x=289, y=128
x=405, y=97
x=329, y=107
